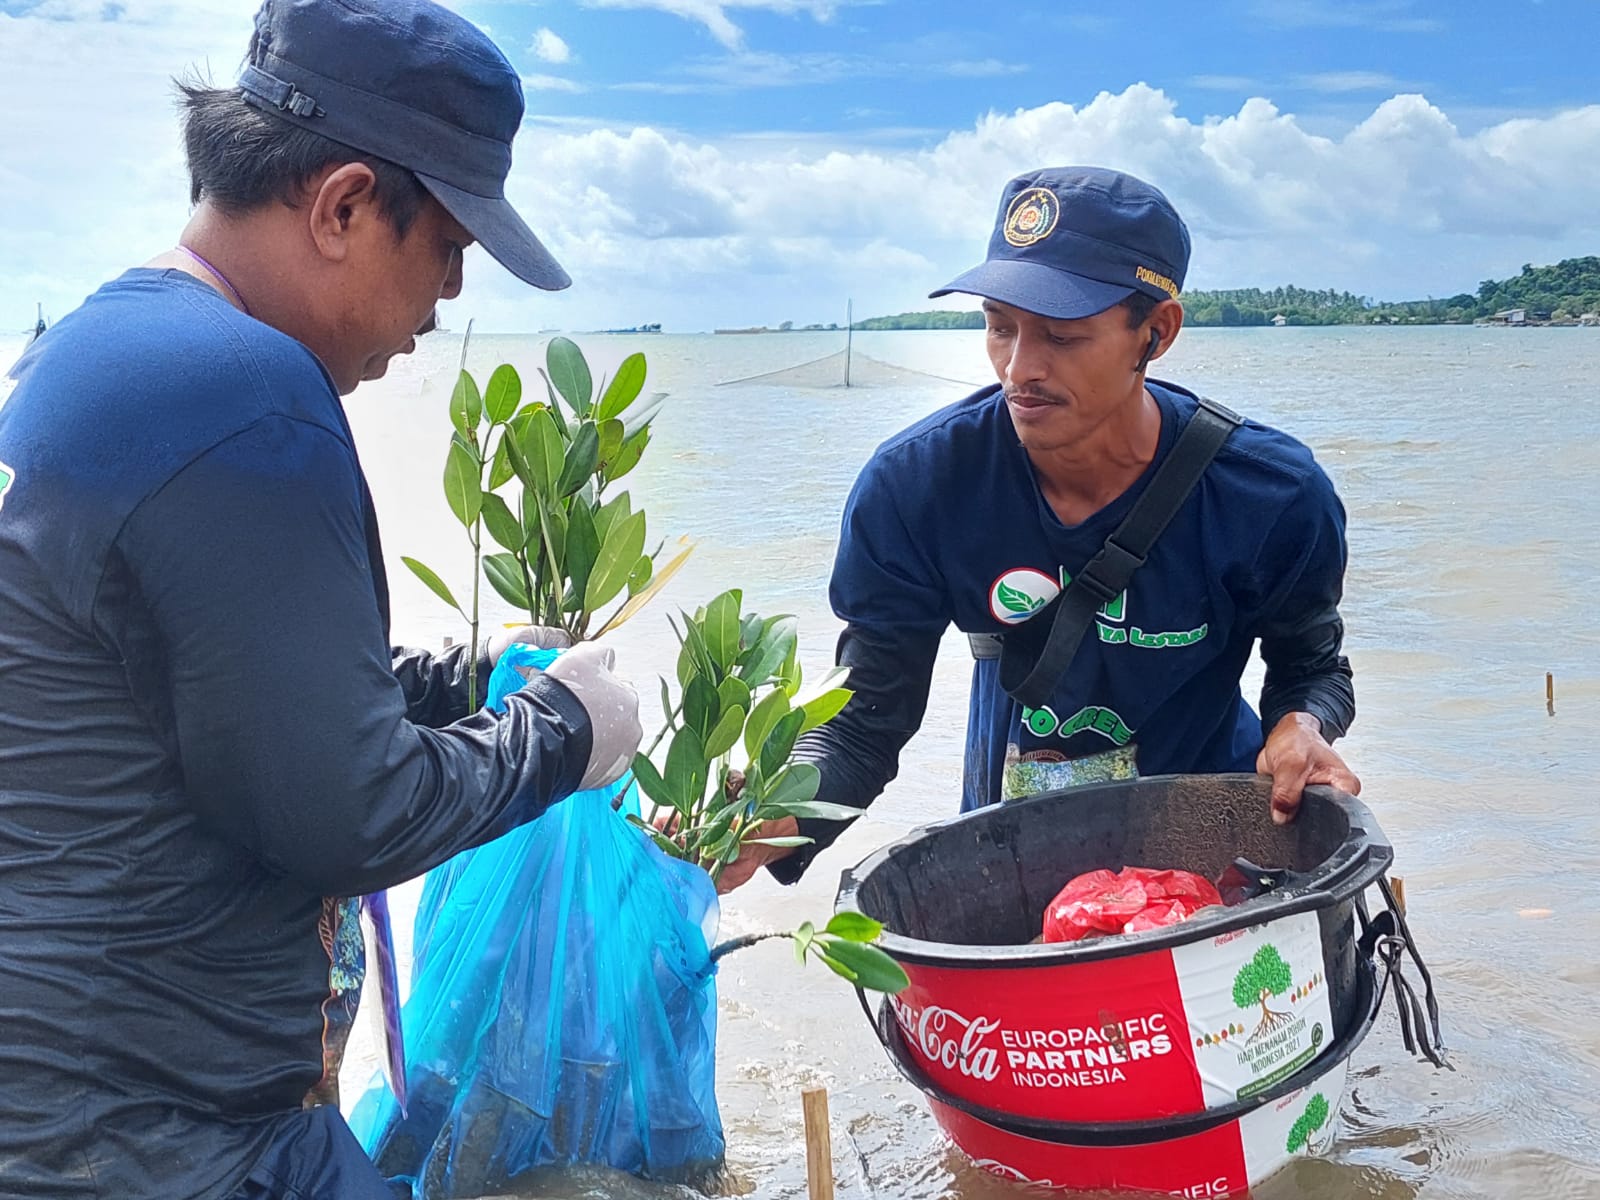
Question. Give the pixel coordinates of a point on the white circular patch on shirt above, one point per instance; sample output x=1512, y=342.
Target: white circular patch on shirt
x=1020, y=593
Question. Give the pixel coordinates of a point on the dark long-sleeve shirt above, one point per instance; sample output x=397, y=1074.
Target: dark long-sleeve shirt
x=205, y=739
x=946, y=525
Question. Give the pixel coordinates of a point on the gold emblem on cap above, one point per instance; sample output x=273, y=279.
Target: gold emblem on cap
x=1032, y=216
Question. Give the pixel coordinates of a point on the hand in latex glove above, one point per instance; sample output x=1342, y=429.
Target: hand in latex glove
x=613, y=708
x=545, y=637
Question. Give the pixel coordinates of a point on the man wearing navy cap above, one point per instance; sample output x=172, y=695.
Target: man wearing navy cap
x=981, y=514
x=205, y=737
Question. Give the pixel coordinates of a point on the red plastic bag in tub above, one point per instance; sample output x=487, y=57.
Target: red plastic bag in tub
x=1126, y=901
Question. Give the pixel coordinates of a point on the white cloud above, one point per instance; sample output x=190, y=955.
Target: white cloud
x=662, y=225
x=1381, y=16
x=1335, y=82
x=701, y=233
x=549, y=47
x=743, y=70
x=1223, y=83
x=713, y=14
x=550, y=83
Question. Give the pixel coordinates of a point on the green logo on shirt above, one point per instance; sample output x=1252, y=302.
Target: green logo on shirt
x=6, y=477
x=1043, y=723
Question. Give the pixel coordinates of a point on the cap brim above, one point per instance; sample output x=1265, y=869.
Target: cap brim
x=499, y=230
x=1037, y=288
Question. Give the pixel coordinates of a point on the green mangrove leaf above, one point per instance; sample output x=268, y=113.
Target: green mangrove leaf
x=639, y=577
x=582, y=458
x=462, y=488
x=651, y=783
x=734, y=693
x=503, y=394
x=627, y=458
x=624, y=389
x=865, y=966
x=814, y=810
x=854, y=927
x=434, y=583
x=583, y=549
x=780, y=742
x=466, y=406
x=700, y=708
x=726, y=734
x=791, y=787
x=721, y=628
x=821, y=709
x=686, y=771
x=502, y=524
x=542, y=447
x=639, y=418
x=766, y=714
x=777, y=642
x=569, y=371
x=615, y=562
x=610, y=444
x=612, y=511
x=504, y=573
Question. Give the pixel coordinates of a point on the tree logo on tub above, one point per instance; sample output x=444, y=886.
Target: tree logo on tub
x=1308, y=1123
x=1259, y=980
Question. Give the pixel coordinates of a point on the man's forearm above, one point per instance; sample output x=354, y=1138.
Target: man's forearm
x=1307, y=674
x=858, y=752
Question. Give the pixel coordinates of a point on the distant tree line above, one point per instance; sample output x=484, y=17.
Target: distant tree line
x=1565, y=291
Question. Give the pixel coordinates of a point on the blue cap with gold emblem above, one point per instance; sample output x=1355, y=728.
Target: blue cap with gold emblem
x=1072, y=241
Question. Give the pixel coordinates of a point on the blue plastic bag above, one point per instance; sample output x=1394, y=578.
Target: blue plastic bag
x=563, y=1007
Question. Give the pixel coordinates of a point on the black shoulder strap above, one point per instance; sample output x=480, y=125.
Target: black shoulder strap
x=1030, y=675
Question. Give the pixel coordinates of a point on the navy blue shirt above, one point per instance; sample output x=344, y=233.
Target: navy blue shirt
x=947, y=525
x=204, y=735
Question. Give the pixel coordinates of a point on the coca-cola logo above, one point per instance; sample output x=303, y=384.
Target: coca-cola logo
x=954, y=1042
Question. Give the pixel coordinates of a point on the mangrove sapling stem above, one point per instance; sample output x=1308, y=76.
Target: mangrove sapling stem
x=665, y=729
x=477, y=573
x=743, y=942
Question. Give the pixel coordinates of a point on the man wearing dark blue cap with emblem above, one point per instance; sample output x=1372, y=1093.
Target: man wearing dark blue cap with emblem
x=204, y=733
x=1113, y=546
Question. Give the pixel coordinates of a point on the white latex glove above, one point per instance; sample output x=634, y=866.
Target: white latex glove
x=544, y=637
x=613, y=708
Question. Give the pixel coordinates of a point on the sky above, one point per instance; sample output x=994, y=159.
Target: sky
x=708, y=163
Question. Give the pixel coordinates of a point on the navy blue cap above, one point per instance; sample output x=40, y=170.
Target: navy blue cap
x=413, y=83
x=1072, y=241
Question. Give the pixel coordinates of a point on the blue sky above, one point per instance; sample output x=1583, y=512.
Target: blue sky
x=718, y=162
x=904, y=70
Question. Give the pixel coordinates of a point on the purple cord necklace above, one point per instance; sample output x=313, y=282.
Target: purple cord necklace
x=220, y=277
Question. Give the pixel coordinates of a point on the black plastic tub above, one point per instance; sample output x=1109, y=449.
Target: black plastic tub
x=1204, y=1015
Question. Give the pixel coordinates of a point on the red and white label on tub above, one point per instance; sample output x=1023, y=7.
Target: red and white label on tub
x=1225, y=1161
x=1257, y=1005
x=1147, y=1035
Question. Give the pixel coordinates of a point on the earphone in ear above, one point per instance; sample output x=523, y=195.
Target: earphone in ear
x=1150, y=351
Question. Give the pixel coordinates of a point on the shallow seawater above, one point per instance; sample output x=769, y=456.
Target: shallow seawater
x=1468, y=461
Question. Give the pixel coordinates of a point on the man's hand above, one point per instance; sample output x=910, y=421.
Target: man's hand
x=1296, y=755
x=752, y=858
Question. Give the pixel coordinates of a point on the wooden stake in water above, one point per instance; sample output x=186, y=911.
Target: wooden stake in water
x=849, y=336
x=819, y=1144
x=1397, y=885
x=1550, y=693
